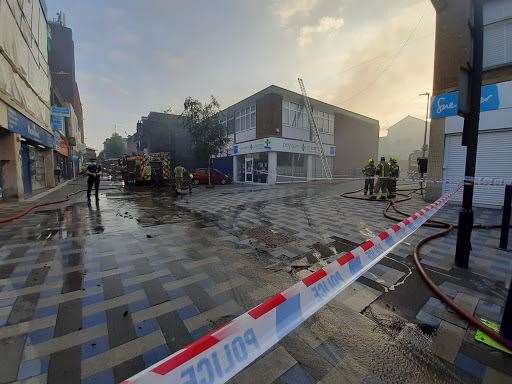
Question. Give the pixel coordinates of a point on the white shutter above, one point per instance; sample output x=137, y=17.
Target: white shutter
x=495, y=10
x=494, y=45
x=494, y=160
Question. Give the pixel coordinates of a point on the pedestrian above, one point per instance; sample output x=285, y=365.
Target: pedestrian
x=394, y=172
x=369, y=171
x=93, y=173
x=382, y=180
x=179, y=171
x=57, y=172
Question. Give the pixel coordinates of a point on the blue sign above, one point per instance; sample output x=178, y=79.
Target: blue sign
x=447, y=104
x=236, y=150
x=57, y=123
x=61, y=111
x=18, y=123
x=490, y=99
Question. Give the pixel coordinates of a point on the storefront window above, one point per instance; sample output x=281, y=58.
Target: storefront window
x=260, y=167
x=291, y=164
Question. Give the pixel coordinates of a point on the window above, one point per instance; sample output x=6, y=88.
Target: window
x=295, y=116
x=497, y=33
x=245, y=118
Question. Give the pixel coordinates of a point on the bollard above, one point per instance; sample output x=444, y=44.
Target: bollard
x=505, y=219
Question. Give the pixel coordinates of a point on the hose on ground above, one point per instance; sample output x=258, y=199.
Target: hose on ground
x=25, y=212
x=446, y=229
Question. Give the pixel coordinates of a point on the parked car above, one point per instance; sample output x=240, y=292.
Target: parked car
x=217, y=177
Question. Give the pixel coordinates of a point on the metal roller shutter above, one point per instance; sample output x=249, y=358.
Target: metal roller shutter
x=494, y=160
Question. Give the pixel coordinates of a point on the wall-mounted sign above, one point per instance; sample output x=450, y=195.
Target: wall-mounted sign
x=279, y=144
x=18, y=123
x=58, y=123
x=447, y=104
x=61, y=111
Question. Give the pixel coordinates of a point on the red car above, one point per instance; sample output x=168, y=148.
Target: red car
x=217, y=177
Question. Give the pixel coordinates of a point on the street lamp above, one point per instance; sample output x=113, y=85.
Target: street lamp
x=424, y=149
x=422, y=164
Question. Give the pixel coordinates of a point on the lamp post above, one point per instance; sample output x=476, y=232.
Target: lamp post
x=424, y=148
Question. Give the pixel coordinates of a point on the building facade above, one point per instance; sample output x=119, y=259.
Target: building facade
x=452, y=51
x=404, y=138
x=61, y=59
x=273, y=142
x=164, y=132
x=26, y=137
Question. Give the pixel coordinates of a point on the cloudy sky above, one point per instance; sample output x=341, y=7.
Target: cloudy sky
x=134, y=56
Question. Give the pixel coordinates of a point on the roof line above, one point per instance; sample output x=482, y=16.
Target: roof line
x=285, y=92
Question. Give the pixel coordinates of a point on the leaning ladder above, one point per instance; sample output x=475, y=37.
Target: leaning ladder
x=316, y=133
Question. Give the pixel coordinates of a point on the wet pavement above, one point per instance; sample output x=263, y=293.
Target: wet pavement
x=95, y=293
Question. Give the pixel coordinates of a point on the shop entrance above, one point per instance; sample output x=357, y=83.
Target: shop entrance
x=26, y=170
x=249, y=162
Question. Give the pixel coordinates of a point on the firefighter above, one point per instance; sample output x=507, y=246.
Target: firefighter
x=382, y=180
x=369, y=171
x=93, y=178
x=179, y=171
x=394, y=172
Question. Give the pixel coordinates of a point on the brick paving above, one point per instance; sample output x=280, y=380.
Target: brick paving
x=93, y=294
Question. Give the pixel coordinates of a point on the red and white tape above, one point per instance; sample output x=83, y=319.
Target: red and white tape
x=219, y=355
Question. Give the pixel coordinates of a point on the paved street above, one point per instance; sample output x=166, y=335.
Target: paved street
x=94, y=294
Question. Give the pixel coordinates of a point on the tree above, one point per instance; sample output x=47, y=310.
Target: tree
x=114, y=146
x=209, y=136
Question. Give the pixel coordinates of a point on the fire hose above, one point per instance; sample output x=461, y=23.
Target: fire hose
x=446, y=229
x=26, y=211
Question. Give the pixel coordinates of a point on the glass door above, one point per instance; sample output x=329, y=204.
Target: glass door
x=249, y=161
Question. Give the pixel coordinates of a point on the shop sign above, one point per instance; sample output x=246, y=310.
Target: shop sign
x=57, y=123
x=61, y=111
x=18, y=123
x=280, y=144
x=447, y=104
x=61, y=145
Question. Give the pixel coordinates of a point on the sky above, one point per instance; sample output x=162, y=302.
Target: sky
x=372, y=57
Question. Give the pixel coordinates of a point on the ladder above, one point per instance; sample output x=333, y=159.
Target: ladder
x=316, y=133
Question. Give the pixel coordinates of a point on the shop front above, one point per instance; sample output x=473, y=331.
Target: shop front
x=35, y=152
x=63, y=167
x=275, y=159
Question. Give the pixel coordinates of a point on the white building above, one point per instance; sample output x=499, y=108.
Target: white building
x=272, y=140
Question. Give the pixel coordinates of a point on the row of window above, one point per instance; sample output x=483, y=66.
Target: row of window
x=497, y=16
x=244, y=119
x=294, y=115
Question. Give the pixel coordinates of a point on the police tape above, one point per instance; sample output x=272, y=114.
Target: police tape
x=485, y=181
x=219, y=355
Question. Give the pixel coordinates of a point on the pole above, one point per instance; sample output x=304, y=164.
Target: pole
x=470, y=140
x=505, y=219
x=424, y=148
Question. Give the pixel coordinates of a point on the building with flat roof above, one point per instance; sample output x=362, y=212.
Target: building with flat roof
x=272, y=140
x=164, y=132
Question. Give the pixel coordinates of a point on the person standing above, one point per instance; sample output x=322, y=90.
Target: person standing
x=369, y=171
x=179, y=171
x=394, y=172
x=93, y=177
x=382, y=180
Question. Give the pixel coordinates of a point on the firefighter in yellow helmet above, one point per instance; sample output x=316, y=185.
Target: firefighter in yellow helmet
x=394, y=172
x=382, y=180
x=369, y=171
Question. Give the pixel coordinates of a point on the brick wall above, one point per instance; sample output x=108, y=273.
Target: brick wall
x=356, y=140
